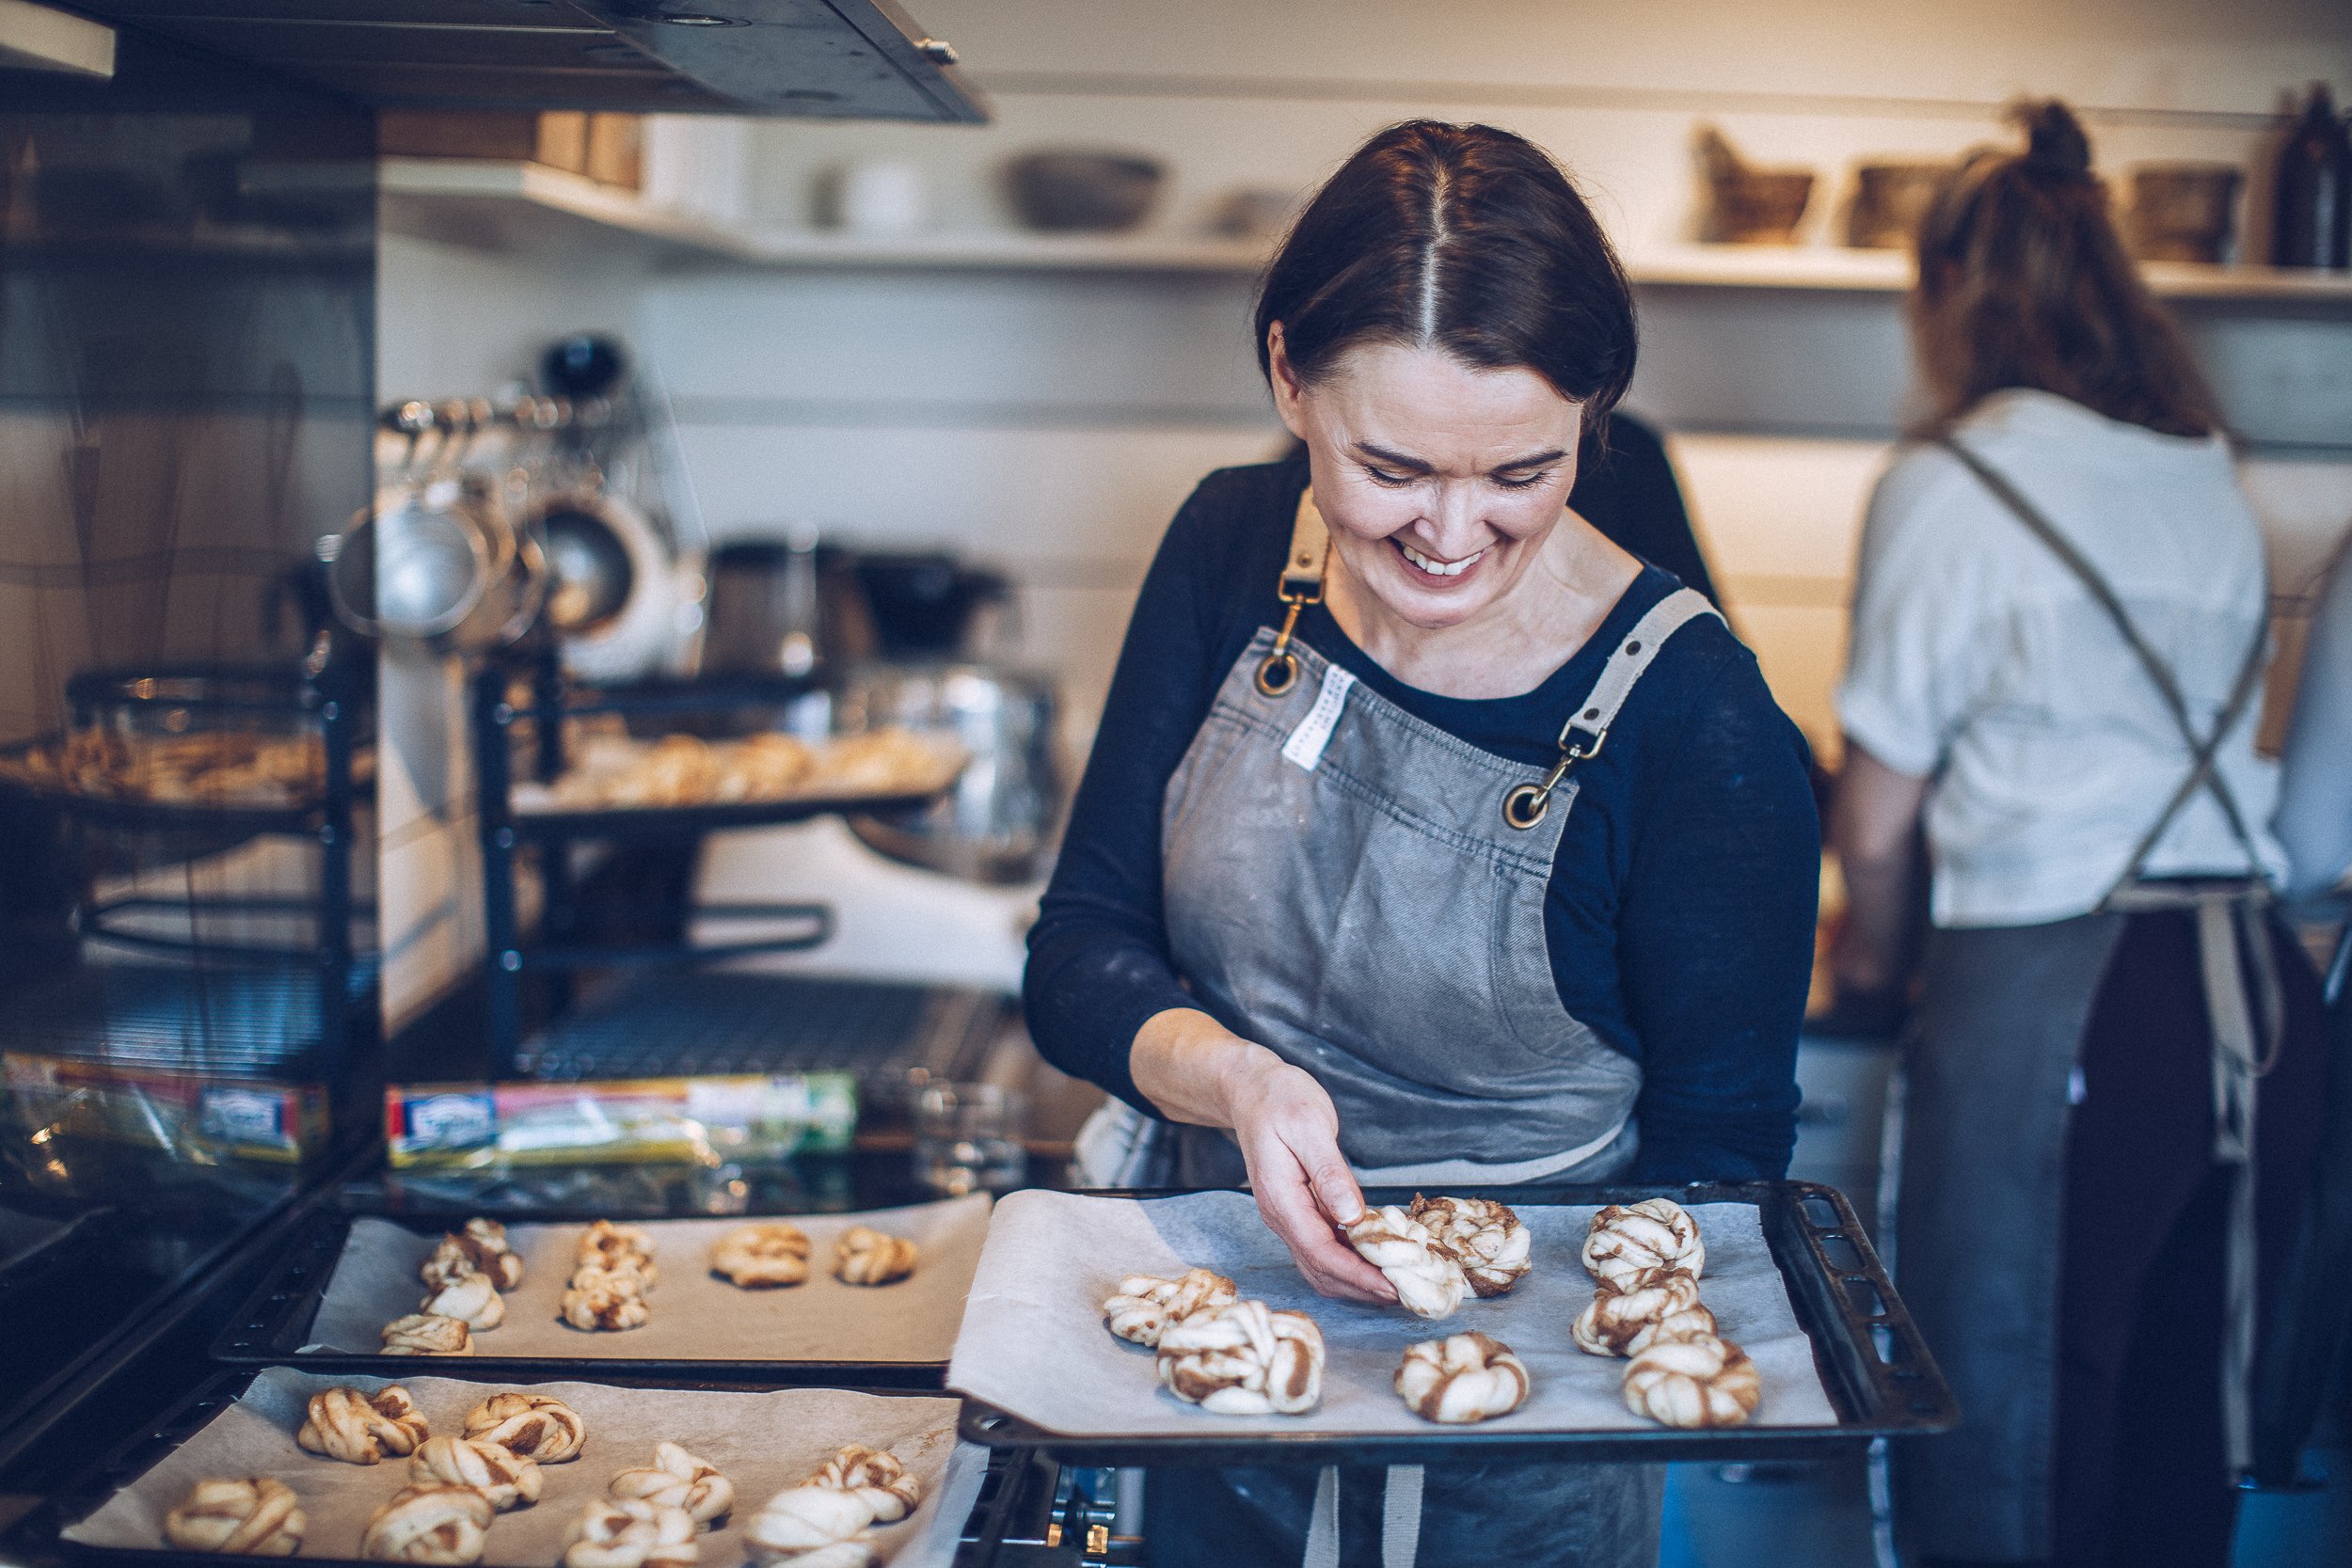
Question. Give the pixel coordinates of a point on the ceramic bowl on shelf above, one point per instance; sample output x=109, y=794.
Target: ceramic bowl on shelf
x=1082, y=193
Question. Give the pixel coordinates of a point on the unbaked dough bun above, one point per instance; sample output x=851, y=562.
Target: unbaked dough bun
x=676, y=1478
x=473, y=1300
x=1429, y=1283
x=810, y=1526
x=762, y=1257
x=1243, y=1359
x=1141, y=1306
x=359, y=1428
x=876, y=1476
x=1622, y=1310
x=254, y=1517
x=1655, y=1233
x=507, y=1478
x=1485, y=1238
x=1697, y=1382
x=1460, y=1379
x=537, y=1427
x=436, y=1525
x=635, y=1533
x=864, y=1256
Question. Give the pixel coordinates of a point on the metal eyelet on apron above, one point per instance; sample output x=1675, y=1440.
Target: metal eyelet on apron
x=1300, y=585
x=1524, y=806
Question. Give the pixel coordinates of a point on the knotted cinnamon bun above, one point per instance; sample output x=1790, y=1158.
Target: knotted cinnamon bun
x=1485, y=1238
x=536, y=1427
x=1697, y=1382
x=427, y=1334
x=633, y=1534
x=864, y=1256
x=1142, y=1306
x=1243, y=1359
x=676, y=1478
x=1429, y=1283
x=507, y=1478
x=362, y=1429
x=473, y=1300
x=1622, y=1309
x=762, y=1257
x=876, y=1477
x=810, y=1526
x=1655, y=1233
x=1461, y=1378
x=255, y=1517
x=436, y=1525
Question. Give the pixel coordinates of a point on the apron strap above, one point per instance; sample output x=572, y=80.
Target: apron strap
x=2203, y=750
x=2232, y=937
x=1300, y=585
x=1587, y=729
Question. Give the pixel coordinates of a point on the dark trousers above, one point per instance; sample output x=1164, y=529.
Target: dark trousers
x=2141, y=1476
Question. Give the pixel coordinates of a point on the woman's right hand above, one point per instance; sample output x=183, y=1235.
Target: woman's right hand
x=1196, y=1070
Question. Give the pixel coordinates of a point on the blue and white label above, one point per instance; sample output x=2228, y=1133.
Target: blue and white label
x=1305, y=747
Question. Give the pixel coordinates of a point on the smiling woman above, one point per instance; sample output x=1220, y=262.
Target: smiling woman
x=1429, y=838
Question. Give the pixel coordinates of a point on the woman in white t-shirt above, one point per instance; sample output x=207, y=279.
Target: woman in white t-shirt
x=2058, y=634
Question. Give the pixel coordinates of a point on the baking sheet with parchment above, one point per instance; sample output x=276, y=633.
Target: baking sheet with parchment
x=1033, y=1345
x=763, y=1443
x=696, y=1316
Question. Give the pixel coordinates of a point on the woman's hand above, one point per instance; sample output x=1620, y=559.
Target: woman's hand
x=1197, y=1072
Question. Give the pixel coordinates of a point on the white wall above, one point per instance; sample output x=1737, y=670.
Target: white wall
x=1052, y=422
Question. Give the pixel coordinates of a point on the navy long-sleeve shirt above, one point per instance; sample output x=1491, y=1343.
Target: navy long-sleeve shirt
x=1679, y=919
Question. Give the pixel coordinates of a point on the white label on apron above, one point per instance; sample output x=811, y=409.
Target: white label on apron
x=1306, y=744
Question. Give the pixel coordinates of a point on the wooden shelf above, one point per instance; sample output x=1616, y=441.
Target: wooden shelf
x=522, y=206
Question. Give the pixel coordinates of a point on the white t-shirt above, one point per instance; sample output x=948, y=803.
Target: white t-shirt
x=1978, y=660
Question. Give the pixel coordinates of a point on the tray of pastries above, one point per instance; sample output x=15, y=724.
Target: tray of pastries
x=759, y=777
x=873, y=1298
x=445, y=1470
x=1618, y=1322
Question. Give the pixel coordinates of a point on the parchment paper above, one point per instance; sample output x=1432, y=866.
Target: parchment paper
x=696, y=1316
x=763, y=1443
x=1033, y=1339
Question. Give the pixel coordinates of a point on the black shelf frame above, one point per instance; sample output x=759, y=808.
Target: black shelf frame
x=505, y=833
x=342, y=709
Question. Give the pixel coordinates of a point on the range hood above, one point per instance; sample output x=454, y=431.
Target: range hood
x=856, y=59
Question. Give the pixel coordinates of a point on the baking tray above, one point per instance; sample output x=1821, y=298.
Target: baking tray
x=157, y=1442
x=657, y=822
x=1878, y=1374
x=276, y=1320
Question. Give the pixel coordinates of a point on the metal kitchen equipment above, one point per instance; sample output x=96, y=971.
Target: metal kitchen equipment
x=1002, y=819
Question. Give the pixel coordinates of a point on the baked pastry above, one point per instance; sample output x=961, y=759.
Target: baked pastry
x=359, y=1428
x=876, y=1476
x=606, y=1246
x=1655, y=1233
x=762, y=1257
x=507, y=1478
x=676, y=1478
x=1429, y=1283
x=536, y=1427
x=427, y=1334
x=1243, y=1359
x=256, y=1517
x=1485, y=1237
x=473, y=1300
x=470, y=1252
x=1142, y=1306
x=607, y=1302
x=882, y=761
x=763, y=766
x=632, y=1533
x=1461, y=1378
x=1623, y=1308
x=1697, y=1382
x=864, y=1256
x=430, y=1525
x=810, y=1526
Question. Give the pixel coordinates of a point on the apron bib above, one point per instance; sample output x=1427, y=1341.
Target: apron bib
x=1978, y=1227
x=1363, y=894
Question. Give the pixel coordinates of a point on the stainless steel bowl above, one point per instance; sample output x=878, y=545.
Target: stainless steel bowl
x=1001, y=821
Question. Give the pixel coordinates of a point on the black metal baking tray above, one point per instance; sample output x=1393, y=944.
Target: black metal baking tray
x=147, y=1447
x=1877, y=1371
x=655, y=822
x=270, y=1328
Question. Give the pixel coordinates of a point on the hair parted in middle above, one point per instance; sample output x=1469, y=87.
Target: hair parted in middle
x=1459, y=237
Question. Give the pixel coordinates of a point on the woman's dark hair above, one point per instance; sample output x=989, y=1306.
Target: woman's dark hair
x=2024, y=282
x=1459, y=237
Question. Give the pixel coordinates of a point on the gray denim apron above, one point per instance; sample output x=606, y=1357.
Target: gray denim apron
x=1363, y=894
x=1985, y=1111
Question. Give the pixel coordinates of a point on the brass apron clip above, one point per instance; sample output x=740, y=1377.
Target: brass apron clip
x=1300, y=585
x=1524, y=806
